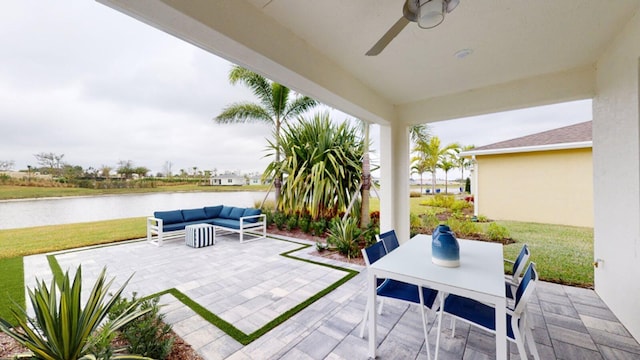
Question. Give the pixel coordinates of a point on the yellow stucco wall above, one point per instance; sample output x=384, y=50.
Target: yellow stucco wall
x=553, y=187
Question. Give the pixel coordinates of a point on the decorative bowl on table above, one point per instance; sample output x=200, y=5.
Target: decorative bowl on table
x=445, y=249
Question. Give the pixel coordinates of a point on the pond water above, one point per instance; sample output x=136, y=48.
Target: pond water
x=53, y=211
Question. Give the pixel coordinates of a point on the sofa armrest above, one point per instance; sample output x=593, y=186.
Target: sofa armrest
x=262, y=218
x=155, y=222
x=154, y=227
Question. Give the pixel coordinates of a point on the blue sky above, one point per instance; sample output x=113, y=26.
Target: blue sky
x=80, y=79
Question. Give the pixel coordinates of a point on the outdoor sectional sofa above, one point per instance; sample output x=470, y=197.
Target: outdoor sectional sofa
x=170, y=224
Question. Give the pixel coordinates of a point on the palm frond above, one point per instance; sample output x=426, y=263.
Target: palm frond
x=244, y=113
x=259, y=85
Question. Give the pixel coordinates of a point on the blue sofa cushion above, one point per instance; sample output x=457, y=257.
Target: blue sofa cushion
x=169, y=217
x=228, y=223
x=225, y=212
x=194, y=214
x=252, y=212
x=213, y=211
x=236, y=213
x=174, y=227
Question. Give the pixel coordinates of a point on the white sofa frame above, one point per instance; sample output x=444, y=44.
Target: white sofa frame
x=258, y=230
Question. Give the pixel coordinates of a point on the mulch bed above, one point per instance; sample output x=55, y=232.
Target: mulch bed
x=180, y=350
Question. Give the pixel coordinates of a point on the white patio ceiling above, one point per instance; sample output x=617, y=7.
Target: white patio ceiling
x=524, y=52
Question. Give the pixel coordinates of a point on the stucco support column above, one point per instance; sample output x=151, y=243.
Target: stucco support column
x=616, y=178
x=394, y=181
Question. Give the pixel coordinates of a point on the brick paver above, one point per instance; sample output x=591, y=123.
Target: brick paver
x=250, y=284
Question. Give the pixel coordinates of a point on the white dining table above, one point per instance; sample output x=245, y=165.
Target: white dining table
x=480, y=276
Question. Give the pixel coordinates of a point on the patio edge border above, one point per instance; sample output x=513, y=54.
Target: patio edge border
x=227, y=327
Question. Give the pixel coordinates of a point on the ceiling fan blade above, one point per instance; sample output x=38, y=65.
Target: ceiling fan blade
x=388, y=36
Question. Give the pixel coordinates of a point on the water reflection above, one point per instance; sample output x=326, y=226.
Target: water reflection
x=38, y=212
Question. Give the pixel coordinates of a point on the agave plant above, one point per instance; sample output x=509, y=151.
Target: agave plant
x=344, y=235
x=62, y=327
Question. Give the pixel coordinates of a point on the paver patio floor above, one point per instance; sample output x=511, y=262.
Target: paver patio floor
x=250, y=284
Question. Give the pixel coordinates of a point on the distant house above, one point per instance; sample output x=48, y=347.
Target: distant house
x=255, y=180
x=545, y=177
x=227, y=179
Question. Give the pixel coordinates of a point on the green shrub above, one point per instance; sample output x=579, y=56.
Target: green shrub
x=463, y=227
x=344, y=236
x=318, y=227
x=147, y=335
x=304, y=223
x=100, y=343
x=443, y=201
x=497, y=232
x=279, y=219
x=430, y=221
x=458, y=215
x=269, y=216
x=467, y=185
x=292, y=222
x=414, y=194
x=459, y=205
x=368, y=235
x=414, y=220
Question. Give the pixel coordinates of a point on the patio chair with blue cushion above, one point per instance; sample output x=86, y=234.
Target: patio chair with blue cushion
x=389, y=239
x=398, y=290
x=483, y=316
x=518, y=265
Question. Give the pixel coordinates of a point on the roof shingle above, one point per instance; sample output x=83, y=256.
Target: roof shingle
x=569, y=134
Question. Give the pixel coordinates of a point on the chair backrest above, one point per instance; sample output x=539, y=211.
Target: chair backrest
x=390, y=240
x=374, y=253
x=520, y=263
x=525, y=288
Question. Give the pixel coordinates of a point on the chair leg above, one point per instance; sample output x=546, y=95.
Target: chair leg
x=380, y=307
x=365, y=319
x=424, y=322
x=518, y=336
x=453, y=327
x=441, y=295
x=531, y=342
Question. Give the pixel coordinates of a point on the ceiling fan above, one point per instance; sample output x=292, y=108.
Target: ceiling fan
x=427, y=13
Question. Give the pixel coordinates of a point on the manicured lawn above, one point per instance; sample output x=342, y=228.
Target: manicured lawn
x=12, y=286
x=41, y=239
x=563, y=254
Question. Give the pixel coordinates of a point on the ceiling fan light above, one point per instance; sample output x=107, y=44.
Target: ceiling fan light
x=451, y=4
x=430, y=13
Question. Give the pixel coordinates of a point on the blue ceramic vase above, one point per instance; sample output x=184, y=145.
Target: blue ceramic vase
x=445, y=250
x=440, y=228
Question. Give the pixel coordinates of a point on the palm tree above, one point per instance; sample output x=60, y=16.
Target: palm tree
x=461, y=162
x=419, y=132
x=365, y=215
x=274, y=107
x=431, y=153
x=419, y=167
x=446, y=164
